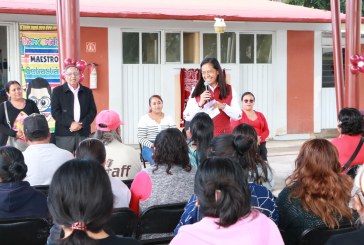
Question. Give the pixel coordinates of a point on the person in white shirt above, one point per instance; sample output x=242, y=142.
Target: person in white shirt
x=41, y=157
x=151, y=124
x=94, y=149
x=122, y=161
x=212, y=94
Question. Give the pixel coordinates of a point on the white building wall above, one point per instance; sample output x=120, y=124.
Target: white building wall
x=124, y=95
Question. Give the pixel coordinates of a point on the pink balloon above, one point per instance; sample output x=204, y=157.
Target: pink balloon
x=354, y=59
x=81, y=65
x=63, y=75
x=361, y=57
x=354, y=69
x=68, y=62
x=361, y=69
x=82, y=76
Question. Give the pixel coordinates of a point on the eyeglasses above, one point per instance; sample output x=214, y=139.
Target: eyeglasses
x=209, y=72
x=76, y=73
x=246, y=101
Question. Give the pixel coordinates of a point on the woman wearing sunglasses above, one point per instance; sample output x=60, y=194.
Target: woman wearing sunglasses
x=256, y=120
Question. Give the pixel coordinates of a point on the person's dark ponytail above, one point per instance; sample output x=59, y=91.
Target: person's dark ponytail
x=222, y=189
x=231, y=205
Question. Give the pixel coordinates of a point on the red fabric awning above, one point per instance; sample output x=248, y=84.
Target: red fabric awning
x=231, y=10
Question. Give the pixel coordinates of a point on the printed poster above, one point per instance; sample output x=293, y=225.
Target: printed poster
x=40, y=59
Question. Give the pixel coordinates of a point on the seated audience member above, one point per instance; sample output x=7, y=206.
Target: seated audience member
x=354, y=237
x=81, y=201
x=223, y=195
x=17, y=197
x=317, y=193
x=350, y=127
x=41, y=157
x=151, y=124
x=234, y=147
x=122, y=161
x=259, y=169
x=94, y=149
x=171, y=180
x=201, y=131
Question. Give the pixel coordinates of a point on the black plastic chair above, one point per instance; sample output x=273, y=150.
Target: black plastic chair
x=42, y=188
x=320, y=235
x=159, y=219
x=128, y=182
x=141, y=156
x=25, y=231
x=123, y=222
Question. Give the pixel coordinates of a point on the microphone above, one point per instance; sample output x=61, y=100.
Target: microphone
x=206, y=83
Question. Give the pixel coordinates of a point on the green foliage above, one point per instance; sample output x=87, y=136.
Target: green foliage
x=322, y=4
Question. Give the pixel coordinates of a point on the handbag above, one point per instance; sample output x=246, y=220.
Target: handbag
x=13, y=141
x=352, y=170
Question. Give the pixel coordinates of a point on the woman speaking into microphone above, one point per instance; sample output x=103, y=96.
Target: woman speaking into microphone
x=212, y=87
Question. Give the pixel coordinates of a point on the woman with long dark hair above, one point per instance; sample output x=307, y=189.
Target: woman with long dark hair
x=235, y=148
x=259, y=169
x=81, y=201
x=316, y=194
x=212, y=87
x=202, y=131
x=171, y=180
x=255, y=119
x=223, y=196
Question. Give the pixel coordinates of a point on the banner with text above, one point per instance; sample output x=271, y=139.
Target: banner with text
x=40, y=59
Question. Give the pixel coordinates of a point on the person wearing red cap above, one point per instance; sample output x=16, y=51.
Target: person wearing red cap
x=122, y=161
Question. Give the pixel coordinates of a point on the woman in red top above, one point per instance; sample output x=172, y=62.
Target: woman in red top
x=212, y=87
x=350, y=127
x=256, y=120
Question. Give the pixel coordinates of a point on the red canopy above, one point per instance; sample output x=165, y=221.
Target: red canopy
x=230, y=10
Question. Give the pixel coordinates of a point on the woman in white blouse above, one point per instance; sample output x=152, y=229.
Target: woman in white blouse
x=212, y=87
x=151, y=124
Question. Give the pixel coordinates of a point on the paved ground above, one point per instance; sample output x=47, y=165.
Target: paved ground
x=281, y=157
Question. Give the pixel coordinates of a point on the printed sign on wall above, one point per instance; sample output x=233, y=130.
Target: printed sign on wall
x=40, y=59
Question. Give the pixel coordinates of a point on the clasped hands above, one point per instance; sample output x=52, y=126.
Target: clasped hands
x=75, y=126
x=205, y=97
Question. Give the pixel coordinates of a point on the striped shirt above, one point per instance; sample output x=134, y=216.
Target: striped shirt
x=149, y=128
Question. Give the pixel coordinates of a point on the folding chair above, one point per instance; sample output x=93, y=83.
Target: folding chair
x=42, y=188
x=141, y=156
x=320, y=235
x=123, y=222
x=159, y=219
x=25, y=231
x=128, y=182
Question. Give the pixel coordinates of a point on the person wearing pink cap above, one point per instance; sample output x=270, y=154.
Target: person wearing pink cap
x=122, y=161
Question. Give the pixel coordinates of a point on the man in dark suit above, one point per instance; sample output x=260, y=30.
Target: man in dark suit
x=73, y=107
x=354, y=237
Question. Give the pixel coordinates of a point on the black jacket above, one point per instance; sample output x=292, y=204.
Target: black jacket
x=349, y=238
x=19, y=199
x=62, y=109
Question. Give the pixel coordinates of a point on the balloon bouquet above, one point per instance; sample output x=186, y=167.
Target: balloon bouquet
x=80, y=64
x=357, y=63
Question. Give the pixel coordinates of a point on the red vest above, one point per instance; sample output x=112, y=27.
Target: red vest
x=222, y=121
